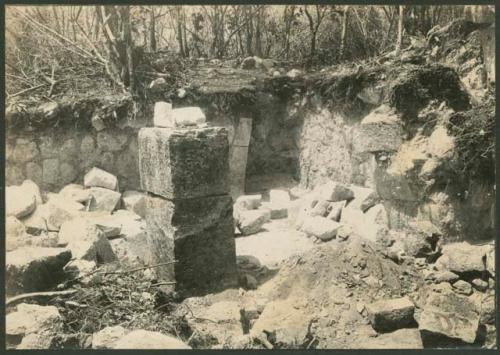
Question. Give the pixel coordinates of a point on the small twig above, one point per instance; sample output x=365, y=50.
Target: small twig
x=39, y=294
x=163, y=283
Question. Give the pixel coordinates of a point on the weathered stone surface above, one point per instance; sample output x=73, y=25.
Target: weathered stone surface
x=86, y=241
x=320, y=208
x=60, y=210
x=399, y=339
x=381, y=130
x=36, y=222
x=143, y=339
x=135, y=201
x=334, y=191
x=224, y=321
x=237, y=168
x=251, y=222
x=33, y=319
x=297, y=192
x=387, y=315
x=107, y=337
x=104, y=199
x=31, y=269
x=75, y=192
x=111, y=141
x=276, y=210
x=248, y=202
x=163, y=115
x=14, y=233
x=36, y=341
x=188, y=116
x=50, y=171
x=30, y=188
x=462, y=258
x=184, y=163
x=34, y=172
x=480, y=285
x=99, y=178
x=242, y=133
x=447, y=316
x=462, y=287
x=289, y=329
x=248, y=63
x=442, y=276
x=335, y=210
x=199, y=233
x=320, y=227
x=20, y=201
x=79, y=267
x=25, y=150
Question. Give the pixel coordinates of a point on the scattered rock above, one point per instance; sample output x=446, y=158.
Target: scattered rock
x=320, y=208
x=32, y=189
x=276, y=210
x=284, y=328
x=19, y=201
x=251, y=222
x=442, y=276
x=143, y=339
x=446, y=317
x=335, y=209
x=15, y=233
x=30, y=269
x=36, y=341
x=86, y=241
x=60, y=210
x=320, y=227
x=463, y=287
x=79, y=267
x=334, y=191
x=248, y=202
x=163, y=116
x=33, y=319
x=104, y=199
x=107, y=337
x=188, y=116
x=99, y=178
x=297, y=192
x=248, y=63
x=462, y=258
x=75, y=192
x=387, y=315
x=369, y=201
x=135, y=201
x=480, y=285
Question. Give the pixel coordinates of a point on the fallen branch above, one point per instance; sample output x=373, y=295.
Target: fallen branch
x=26, y=90
x=38, y=295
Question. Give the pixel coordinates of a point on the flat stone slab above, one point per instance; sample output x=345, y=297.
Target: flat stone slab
x=176, y=163
x=100, y=178
x=31, y=269
x=199, y=234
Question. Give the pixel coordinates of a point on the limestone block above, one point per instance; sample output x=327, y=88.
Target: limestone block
x=184, y=163
x=30, y=269
x=188, y=116
x=387, y=315
x=99, y=178
x=248, y=202
x=381, y=130
x=135, y=201
x=320, y=227
x=163, y=115
x=251, y=222
x=199, y=234
x=237, y=169
x=104, y=199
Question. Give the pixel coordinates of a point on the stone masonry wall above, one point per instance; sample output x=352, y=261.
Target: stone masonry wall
x=56, y=157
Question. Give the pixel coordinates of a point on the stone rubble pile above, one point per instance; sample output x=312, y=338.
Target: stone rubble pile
x=46, y=233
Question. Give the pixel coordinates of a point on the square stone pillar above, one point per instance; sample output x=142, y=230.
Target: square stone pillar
x=189, y=209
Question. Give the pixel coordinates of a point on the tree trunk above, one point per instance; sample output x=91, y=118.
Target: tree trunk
x=344, y=31
x=152, y=30
x=400, y=30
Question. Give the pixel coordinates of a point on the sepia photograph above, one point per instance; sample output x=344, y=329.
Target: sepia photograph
x=249, y=176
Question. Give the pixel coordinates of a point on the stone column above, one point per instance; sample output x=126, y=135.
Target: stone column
x=189, y=209
x=238, y=156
